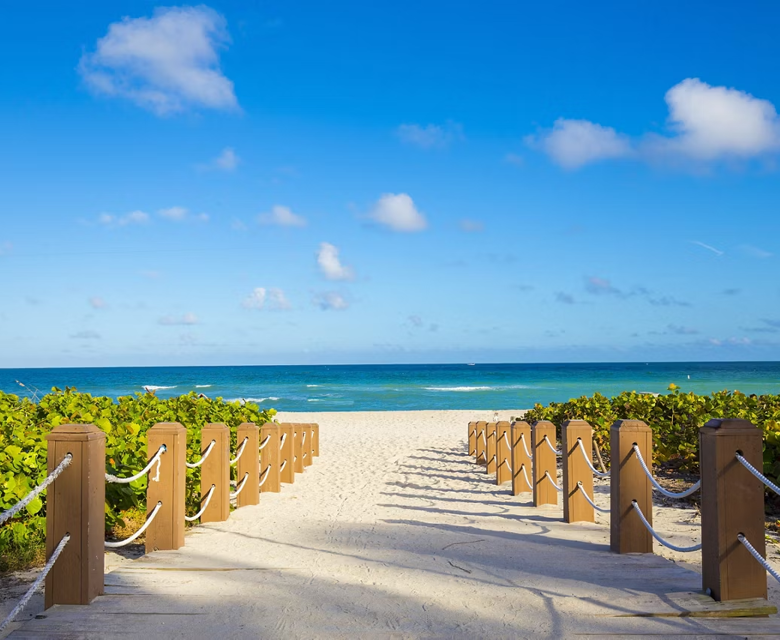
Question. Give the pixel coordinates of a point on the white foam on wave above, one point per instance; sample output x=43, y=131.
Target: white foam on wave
x=314, y=400
x=257, y=400
x=152, y=387
x=459, y=388
x=202, y=386
x=311, y=386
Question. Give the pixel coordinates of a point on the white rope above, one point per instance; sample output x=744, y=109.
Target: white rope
x=659, y=488
x=265, y=442
x=240, y=451
x=505, y=439
x=758, y=474
x=7, y=515
x=753, y=553
x=549, y=477
x=525, y=446
x=595, y=471
x=240, y=487
x=157, y=458
x=122, y=543
x=284, y=464
x=484, y=439
x=666, y=543
x=492, y=434
x=281, y=444
x=303, y=439
x=590, y=502
x=552, y=448
x=493, y=459
x=205, y=455
x=265, y=475
x=506, y=462
x=35, y=585
x=525, y=475
x=203, y=508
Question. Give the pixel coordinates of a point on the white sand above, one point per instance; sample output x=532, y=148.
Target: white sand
x=394, y=532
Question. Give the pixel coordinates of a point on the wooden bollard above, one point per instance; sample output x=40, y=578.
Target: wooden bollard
x=481, y=441
x=215, y=470
x=472, y=439
x=544, y=463
x=576, y=470
x=629, y=482
x=269, y=457
x=286, y=464
x=248, y=464
x=315, y=440
x=298, y=447
x=732, y=502
x=75, y=504
x=490, y=449
x=306, y=444
x=167, y=529
x=503, y=453
x=522, y=465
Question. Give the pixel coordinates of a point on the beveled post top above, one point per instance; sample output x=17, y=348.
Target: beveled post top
x=168, y=427
x=502, y=423
x=521, y=423
x=575, y=423
x=543, y=423
x=270, y=426
x=728, y=426
x=629, y=425
x=215, y=426
x=75, y=432
x=247, y=425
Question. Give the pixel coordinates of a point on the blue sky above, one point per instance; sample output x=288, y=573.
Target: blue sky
x=354, y=182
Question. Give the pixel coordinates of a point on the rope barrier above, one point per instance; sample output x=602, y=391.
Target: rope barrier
x=34, y=586
x=122, y=543
x=595, y=471
x=590, y=501
x=658, y=487
x=506, y=462
x=203, y=508
x=7, y=515
x=156, y=459
x=193, y=465
x=303, y=439
x=552, y=448
x=284, y=464
x=525, y=446
x=505, y=439
x=758, y=474
x=549, y=477
x=240, y=452
x=265, y=475
x=525, y=475
x=666, y=543
x=753, y=553
x=265, y=442
x=484, y=439
x=281, y=443
x=240, y=487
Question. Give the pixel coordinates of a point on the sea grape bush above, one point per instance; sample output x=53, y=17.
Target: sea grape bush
x=675, y=419
x=125, y=421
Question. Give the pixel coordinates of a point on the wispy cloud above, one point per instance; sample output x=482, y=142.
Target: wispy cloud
x=668, y=301
x=564, y=298
x=755, y=252
x=471, y=226
x=431, y=136
x=176, y=214
x=601, y=286
x=227, y=160
x=399, y=213
x=262, y=298
x=281, y=217
x=132, y=218
x=708, y=247
x=172, y=320
x=330, y=264
x=96, y=302
x=86, y=334
x=167, y=63
x=681, y=330
x=330, y=301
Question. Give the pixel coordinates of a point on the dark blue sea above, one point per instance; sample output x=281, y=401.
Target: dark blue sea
x=402, y=387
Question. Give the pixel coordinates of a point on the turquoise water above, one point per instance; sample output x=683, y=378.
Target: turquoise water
x=399, y=387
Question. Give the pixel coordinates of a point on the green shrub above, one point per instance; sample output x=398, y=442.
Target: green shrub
x=23, y=428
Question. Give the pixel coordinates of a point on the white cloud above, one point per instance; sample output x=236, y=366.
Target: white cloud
x=227, y=160
x=96, y=302
x=430, y=136
x=186, y=319
x=397, y=211
x=282, y=217
x=330, y=265
x=705, y=124
x=273, y=298
x=708, y=247
x=174, y=213
x=134, y=217
x=330, y=301
x=167, y=63
x=755, y=252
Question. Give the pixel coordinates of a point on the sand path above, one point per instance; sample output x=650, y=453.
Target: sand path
x=393, y=533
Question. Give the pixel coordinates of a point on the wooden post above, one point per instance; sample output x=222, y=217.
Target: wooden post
x=269, y=456
x=490, y=449
x=248, y=463
x=167, y=529
x=306, y=444
x=286, y=465
x=522, y=466
x=544, y=462
x=215, y=470
x=472, y=439
x=481, y=441
x=629, y=482
x=732, y=502
x=315, y=440
x=576, y=470
x=75, y=504
x=503, y=453
x=297, y=447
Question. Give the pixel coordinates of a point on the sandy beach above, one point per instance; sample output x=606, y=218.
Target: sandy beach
x=394, y=532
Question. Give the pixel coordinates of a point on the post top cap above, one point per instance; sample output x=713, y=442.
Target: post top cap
x=520, y=423
x=630, y=425
x=730, y=424
x=576, y=423
x=75, y=432
x=502, y=423
x=215, y=426
x=168, y=427
x=481, y=423
x=543, y=423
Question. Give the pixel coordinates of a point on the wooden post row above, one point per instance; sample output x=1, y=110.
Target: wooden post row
x=286, y=463
x=503, y=453
x=270, y=458
x=576, y=472
x=75, y=504
x=629, y=482
x=521, y=464
x=481, y=441
x=544, y=462
x=167, y=529
x=248, y=464
x=490, y=448
x=215, y=471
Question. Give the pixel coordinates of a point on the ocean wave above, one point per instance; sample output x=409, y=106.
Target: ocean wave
x=311, y=386
x=152, y=387
x=314, y=400
x=257, y=400
x=202, y=386
x=459, y=388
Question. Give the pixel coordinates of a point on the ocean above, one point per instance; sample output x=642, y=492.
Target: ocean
x=402, y=387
